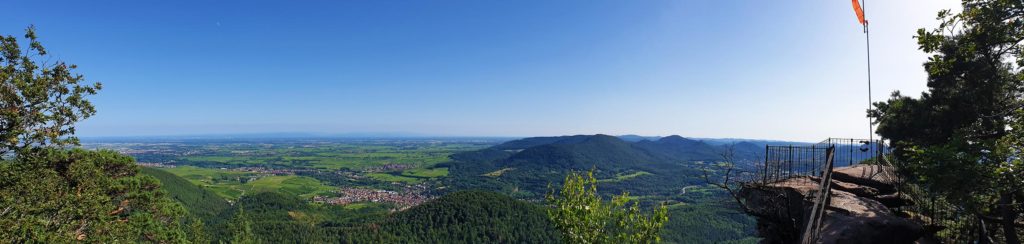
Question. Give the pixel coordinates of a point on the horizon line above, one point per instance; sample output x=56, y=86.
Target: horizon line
x=383, y=135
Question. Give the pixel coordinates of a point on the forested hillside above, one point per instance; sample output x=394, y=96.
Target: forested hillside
x=709, y=222
x=525, y=167
x=199, y=202
x=280, y=218
x=273, y=217
x=470, y=217
x=656, y=171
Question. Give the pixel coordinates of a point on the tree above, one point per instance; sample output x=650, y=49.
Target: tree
x=729, y=183
x=51, y=194
x=954, y=138
x=583, y=217
x=39, y=102
x=241, y=228
x=197, y=231
x=76, y=195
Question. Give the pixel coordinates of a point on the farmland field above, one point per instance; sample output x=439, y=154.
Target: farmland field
x=346, y=155
x=304, y=168
x=623, y=177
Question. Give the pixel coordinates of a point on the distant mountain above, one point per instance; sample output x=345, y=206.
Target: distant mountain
x=249, y=137
x=636, y=138
x=716, y=141
x=724, y=141
x=524, y=143
x=524, y=167
x=679, y=148
x=581, y=152
x=748, y=150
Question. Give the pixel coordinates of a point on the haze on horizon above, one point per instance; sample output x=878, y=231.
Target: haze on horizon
x=785, y=70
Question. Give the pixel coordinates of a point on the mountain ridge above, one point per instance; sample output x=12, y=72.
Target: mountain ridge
x=525, y=166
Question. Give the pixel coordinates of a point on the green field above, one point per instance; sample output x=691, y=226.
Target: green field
x=303, y=168
x=296, y=185
x=623, y=177
x=227, y=184
x=394, y=178
x=232, y=184
x=360, y=205
x=426, y=173
x=329, y=155
x=411, y=176
x=497, y=173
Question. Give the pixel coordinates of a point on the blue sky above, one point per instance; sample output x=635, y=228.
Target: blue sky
x=790, y=70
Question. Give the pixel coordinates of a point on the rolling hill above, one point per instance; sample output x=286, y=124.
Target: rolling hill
x=525, y=167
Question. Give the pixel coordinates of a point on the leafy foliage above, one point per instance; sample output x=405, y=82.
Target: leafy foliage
x=39, y=102
x=50, y=194
x=583, y=217
x=955, y=138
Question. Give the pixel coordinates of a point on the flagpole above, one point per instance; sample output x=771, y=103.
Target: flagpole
x=867, y=41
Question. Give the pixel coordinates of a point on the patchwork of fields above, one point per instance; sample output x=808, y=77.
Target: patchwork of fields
x=232, y=184
x=329, y=156
x=304, y=168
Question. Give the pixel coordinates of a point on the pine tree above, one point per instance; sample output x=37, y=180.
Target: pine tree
x=241, y=228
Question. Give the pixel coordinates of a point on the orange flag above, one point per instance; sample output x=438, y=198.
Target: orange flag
x=859, y=12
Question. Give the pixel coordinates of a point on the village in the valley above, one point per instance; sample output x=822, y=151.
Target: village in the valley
x=409, y=197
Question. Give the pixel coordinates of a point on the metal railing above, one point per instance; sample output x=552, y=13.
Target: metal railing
x=948, y=222
x=855, y=151
x=783, y=162
x=817, y=160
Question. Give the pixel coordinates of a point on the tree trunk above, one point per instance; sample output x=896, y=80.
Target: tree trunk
x=982, y=234
x=1009, y=215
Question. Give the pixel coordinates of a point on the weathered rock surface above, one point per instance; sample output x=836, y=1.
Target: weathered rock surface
x=867, y=175
x=858, y=212
x=859, y=190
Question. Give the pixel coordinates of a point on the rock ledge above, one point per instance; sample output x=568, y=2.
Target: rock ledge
x=860, y=210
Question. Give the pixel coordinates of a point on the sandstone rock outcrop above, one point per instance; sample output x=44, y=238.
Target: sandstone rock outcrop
x=859, y=210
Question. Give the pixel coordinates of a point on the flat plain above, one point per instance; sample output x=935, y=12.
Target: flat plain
x=301, y=167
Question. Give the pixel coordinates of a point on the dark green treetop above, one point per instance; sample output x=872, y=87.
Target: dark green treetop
x=953, y=139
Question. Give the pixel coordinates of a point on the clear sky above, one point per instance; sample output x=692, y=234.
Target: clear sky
x=791, y=70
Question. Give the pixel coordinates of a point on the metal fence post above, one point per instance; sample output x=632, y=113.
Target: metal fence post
x=766, y=153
